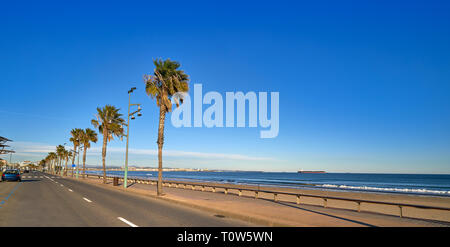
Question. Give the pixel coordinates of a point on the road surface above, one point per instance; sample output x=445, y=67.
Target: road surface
x=53, y=201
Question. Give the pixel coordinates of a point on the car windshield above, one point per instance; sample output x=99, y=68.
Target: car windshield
x=11, y=172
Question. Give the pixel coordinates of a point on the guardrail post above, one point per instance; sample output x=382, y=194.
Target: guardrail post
x=256, y=194
x=298, y=199
x=203, y=188
x=401, y=211
x=325, y=203
x=193, y=187
x=226, y=191
x=213, y=189
x=275, y=197
x=240, y=192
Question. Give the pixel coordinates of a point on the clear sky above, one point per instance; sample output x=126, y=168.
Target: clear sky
x=364, y=85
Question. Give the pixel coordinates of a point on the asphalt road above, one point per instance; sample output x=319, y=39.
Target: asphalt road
x=53, y=201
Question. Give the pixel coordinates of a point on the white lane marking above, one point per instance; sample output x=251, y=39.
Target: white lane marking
x=41, y=177
x=87, y=199
x=70, y=190
x=62, y=185
x=127, y=222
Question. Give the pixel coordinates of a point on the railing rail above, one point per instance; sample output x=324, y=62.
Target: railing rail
x=275, y=193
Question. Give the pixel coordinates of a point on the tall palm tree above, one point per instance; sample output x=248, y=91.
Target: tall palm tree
x=87, y=136
x=75, y=139
x=109, y=123
x=166, y=81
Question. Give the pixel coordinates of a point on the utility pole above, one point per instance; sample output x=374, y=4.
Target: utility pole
x=78, y=158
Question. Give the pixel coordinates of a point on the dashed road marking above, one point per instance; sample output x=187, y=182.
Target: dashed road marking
x=87, y=199
x=127, y=222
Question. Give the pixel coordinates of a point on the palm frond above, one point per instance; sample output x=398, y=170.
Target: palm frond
x=166, y=81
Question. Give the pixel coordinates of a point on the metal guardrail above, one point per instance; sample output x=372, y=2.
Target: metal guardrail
x=275, y=193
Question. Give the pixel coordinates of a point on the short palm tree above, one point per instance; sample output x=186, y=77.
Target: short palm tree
x=42, y=164
x=60, y=152
x=166, y=81
x=87, y=136
x=109, y=123
x=67, y=155
x=52, y=157
x=75, y=139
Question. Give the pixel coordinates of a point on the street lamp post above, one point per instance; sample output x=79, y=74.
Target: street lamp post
x=78, y=158
x=72, y=165
x=128, y=132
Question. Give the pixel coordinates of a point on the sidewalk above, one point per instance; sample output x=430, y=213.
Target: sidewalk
x=266, y=212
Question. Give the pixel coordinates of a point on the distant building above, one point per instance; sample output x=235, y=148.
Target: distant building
x=27, y=163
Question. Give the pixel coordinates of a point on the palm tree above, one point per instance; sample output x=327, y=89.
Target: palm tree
x=166, y=81
x=75, y=139
x=60, y=152
x=67, y=155
x=42, y=164
x=109, y=123
x=87, y=136
x=46, y=162
x=52, y=157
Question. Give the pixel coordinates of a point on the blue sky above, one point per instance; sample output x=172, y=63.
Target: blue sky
x=363, y=85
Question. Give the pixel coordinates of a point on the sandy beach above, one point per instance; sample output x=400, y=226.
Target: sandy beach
x=285, y=211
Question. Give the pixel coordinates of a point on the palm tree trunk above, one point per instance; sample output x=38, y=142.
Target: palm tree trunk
x=105, y=139
x=160, y=142
x=73, y=157
x=84, y=161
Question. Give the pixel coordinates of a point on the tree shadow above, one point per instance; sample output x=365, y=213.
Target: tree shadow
x=321, y=213
x=130, y=184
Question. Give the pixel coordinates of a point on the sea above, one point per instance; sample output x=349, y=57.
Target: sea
x=419, y=184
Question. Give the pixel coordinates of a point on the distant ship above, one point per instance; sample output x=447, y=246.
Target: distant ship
x=301, y=171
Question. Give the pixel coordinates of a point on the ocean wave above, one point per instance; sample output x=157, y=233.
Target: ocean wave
x=402, y=190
